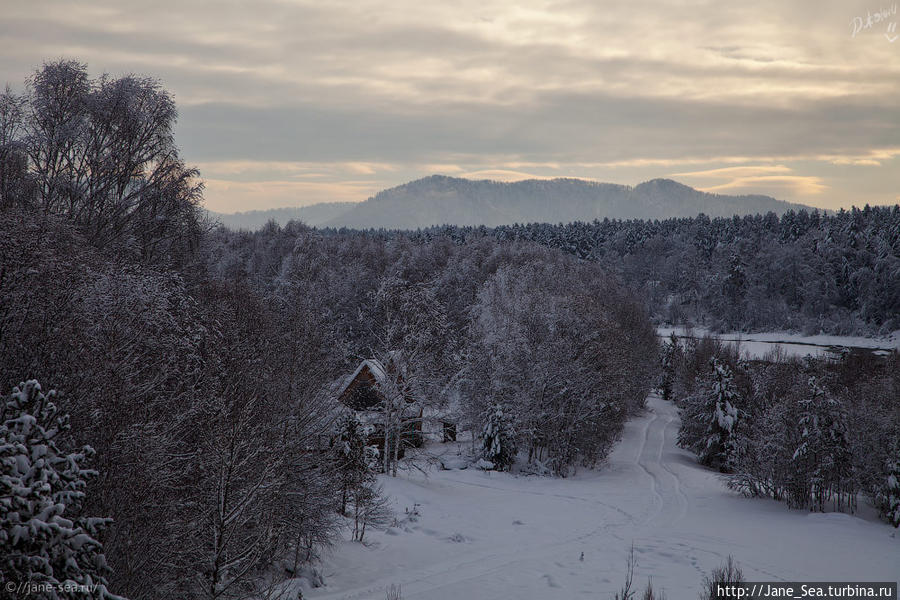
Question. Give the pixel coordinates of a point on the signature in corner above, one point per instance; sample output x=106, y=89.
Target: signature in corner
x=860, y=24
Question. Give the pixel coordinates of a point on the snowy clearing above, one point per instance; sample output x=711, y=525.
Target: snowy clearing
x=485, y=535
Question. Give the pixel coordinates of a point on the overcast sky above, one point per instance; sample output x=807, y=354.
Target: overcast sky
x=286, y=103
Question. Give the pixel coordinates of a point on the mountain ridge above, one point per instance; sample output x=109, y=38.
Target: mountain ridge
x=441, y=199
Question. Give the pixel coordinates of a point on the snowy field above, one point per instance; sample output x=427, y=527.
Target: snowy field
x=485, y=536
x=756, y=345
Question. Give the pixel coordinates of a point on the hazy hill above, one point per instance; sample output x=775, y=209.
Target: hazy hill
x=438, y=200
x=314, y=215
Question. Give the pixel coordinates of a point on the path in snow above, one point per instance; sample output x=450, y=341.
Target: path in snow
x=485, y=536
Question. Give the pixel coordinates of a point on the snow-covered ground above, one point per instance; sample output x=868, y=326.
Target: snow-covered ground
x=484, y=535
x=756, y=345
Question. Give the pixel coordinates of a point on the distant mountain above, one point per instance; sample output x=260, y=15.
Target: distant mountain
x=438, y=200
x=314, y=215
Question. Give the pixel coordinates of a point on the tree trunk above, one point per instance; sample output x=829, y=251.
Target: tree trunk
x=397, y=441
x=387, y=445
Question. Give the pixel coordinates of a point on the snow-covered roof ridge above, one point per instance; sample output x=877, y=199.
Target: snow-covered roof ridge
x=375, y=368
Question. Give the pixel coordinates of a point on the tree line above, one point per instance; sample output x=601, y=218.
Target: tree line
x=805, y=271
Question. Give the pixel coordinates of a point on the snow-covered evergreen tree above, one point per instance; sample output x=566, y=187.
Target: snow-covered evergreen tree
x=43, y=539
x=888, y=499
x=710, y=416
x=669, y=364
x=499, y=439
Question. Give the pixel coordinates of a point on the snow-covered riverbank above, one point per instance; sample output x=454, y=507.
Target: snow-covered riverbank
x=756, y=345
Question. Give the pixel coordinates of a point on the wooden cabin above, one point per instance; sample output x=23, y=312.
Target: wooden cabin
x=366, y=392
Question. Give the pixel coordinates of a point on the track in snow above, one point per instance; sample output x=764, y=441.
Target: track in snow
x=523, y=536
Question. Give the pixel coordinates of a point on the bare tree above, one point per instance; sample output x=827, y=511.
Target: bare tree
x=102, y=153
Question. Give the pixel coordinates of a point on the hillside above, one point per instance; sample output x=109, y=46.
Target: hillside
x=438, y=200
x=313, y=215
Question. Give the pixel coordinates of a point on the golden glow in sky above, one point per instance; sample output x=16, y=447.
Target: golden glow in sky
x=291, y=102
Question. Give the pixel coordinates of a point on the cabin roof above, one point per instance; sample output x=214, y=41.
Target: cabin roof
x=383, y=378
x=374, y=367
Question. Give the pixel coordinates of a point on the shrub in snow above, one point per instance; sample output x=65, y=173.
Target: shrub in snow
x=627, y=593
x=371, y=509
x=651, y=594
x=536, y=467
x=499, y=440
x=43, y=539
x=393, y=593
x=728, y=573
x=484, y=465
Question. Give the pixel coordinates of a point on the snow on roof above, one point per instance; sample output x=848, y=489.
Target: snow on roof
x=375, y=368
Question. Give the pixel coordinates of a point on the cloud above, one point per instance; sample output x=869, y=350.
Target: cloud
x=234, y=196
x=443, y=169
x=775, y=185
x=295, y=91
x=776, y=180
x=872, y=158
x=258, y=170
x=502, y=175
x=734, y=172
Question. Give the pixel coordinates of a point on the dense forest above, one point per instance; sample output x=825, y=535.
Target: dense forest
x=168, y=425
x=837, y=273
